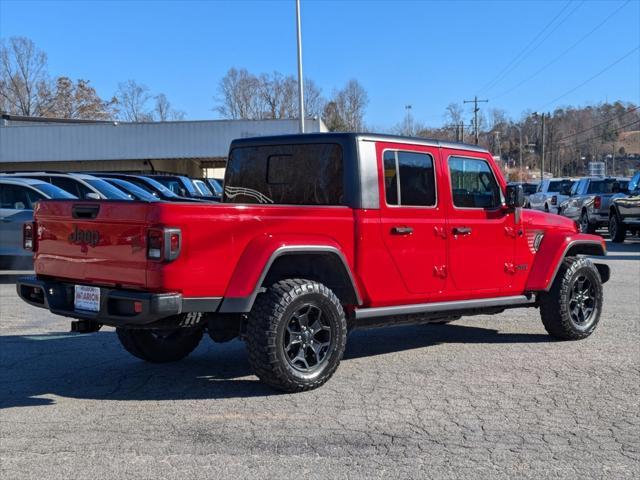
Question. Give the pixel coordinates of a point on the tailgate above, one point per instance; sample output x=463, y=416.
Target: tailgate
x=101, y=242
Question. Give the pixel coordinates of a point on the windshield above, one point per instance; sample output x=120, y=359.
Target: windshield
x=135, y=191
x=109, y=191
x=217, y=188
x=52, y=191
x=633, y=184
x=204, y=190
x=560, y=185
x=606, y=186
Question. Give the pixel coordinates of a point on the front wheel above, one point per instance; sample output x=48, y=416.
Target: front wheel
x=160, y=346
x=571, y=309
x=296, y=335
x=617, y=229
x=585, y=226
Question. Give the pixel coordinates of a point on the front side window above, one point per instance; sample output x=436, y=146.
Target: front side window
x=473, y=183
x=303, y=174
x=409, y=179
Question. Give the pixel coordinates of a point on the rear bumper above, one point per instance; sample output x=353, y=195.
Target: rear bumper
x=117, y=307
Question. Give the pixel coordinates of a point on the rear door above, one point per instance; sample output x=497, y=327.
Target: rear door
x=412, y=216
x=481, y=231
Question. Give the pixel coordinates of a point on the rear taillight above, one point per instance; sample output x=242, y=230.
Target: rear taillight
x=554, y=200
x=597, y=202
x=164, y=244
x=27, y=237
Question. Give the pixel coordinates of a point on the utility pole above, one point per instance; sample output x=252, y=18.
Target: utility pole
x=408, y=121
x=476, y=109
x=536, y=114
x=300, y=81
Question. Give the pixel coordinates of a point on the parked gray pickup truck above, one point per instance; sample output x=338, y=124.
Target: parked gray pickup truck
x=589, y=200
x=624, y=212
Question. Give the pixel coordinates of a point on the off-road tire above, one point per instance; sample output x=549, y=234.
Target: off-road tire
x=617, y=229
x=160, y=346
x=555, y=308
x=267, y=327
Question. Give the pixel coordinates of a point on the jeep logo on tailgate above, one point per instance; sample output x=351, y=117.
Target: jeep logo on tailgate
x=89, y=237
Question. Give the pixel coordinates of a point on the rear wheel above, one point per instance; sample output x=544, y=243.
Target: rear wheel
x=571, y=309
x=617, y=229
x=160, y=346
x=296, y=335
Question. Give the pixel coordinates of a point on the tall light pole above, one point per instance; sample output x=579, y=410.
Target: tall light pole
x=300, y=81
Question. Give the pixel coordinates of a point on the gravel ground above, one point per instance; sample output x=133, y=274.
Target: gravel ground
x=487, y=396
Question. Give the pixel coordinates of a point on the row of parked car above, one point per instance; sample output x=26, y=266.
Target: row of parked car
x=593, y=202
x=19, y=191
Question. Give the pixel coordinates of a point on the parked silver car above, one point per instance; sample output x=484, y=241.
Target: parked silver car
x=17, y=199
x=589, y=200
x=550, y=194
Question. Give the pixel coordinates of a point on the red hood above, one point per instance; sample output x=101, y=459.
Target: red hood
x=546, y=221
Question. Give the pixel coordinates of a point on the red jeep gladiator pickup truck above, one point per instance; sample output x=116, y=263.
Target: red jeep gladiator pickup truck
x=315, y=235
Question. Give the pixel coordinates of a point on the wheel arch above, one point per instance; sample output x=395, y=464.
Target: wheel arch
x=323, y=263
x=555, y=249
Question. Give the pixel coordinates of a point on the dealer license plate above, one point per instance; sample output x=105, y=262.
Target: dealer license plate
x=87, y=298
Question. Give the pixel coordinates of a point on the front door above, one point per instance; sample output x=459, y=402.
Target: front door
x=412, y=216
x=481, y=232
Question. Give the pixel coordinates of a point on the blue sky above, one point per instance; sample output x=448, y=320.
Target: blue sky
x=422, y=53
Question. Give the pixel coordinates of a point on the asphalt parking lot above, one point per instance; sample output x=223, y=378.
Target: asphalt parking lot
x=487, y=396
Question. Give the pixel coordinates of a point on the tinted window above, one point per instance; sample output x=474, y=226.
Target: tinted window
x=607, y=186
x=106, y=189
x=409, y=179
x=52, y=191
x=560, y=185
x=71, y=186
x=473, y=183
x=16, y=197
x=307, y=174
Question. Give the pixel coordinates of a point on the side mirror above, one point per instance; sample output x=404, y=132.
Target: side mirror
x=92, y=196
x=515, y=196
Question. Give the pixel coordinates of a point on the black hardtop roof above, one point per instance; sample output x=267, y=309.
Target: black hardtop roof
x=342, y=138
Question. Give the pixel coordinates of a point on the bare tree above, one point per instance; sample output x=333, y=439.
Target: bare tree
x=239, y=96
x=23, y=76
x=313, y=101
x=133, y=99
x=163, y=111
x=76, y=100
x=345, y=111
x=453, y=114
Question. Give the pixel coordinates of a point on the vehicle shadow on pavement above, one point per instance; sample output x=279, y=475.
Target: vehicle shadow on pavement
x=94, y=366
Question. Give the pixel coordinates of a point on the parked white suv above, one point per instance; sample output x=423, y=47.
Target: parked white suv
x=551, y=193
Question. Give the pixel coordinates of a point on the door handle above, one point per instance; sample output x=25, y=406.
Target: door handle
x=461, y=231
x=402, y=230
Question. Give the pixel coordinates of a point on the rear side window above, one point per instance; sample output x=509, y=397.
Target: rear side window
x=305, y=174
x=610, y=185
x=409, y=179
x=473, y=183
x=15, y=197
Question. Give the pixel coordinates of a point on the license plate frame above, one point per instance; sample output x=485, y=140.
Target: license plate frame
x=86, y=298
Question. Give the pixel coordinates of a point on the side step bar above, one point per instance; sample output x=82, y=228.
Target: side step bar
x=437, y=307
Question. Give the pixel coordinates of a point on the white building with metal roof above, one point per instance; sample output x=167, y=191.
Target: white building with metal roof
x=182, y=147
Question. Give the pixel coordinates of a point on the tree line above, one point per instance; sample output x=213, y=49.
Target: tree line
x=573, y=136
x=26, y=88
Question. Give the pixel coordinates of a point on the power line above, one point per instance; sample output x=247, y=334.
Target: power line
x=592, y=77
x=598, y=125
x=584, y=37
x=524, y=50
